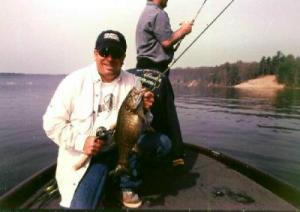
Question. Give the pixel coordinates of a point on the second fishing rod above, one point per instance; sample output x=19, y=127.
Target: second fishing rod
x=192, y=22
x=198, y=36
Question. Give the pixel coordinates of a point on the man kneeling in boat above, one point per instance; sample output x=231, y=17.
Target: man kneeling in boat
x=85, y=100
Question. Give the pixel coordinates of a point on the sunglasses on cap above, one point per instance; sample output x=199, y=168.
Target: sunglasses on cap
x=115, y=53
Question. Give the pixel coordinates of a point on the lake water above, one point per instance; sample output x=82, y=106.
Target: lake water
x=258, y=128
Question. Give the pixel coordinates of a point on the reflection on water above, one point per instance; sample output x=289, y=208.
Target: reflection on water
x=260, y=128
x=288, y=101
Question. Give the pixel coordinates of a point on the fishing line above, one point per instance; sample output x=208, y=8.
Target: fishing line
x=193, y=21
x=198, y=12
x=203, y=31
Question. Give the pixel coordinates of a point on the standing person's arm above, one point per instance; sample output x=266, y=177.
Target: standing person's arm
x=179, y=34
x=165, y=35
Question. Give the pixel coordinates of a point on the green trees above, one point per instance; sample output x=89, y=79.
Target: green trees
x=288, y=71
x=286, y=68
x=232, y=74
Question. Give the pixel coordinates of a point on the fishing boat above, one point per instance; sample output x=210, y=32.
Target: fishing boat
x=211, y=181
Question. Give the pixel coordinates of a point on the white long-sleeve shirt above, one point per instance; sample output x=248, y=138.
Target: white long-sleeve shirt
x=71, y=116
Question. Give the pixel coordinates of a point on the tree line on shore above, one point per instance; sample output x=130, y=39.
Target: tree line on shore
x=285, y=67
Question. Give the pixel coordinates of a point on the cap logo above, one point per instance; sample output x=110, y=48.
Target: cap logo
x=112, y=36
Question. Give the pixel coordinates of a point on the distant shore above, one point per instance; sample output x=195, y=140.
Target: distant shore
x=265, y=82
x=7, y=74
x=264, y=87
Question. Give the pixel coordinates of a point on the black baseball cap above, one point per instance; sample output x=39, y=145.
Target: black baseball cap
x=111, y=39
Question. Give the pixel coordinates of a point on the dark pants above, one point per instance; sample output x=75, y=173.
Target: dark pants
x=90, y=191
x=164, y=110
x=144, y=63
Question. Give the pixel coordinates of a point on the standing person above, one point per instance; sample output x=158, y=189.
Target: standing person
x=155, y=42
x=85, y=100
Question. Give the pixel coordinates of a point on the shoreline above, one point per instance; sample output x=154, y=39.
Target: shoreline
x=264, y=82
x=264, y=87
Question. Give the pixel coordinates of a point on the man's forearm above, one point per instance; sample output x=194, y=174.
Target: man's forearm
x=179, y=34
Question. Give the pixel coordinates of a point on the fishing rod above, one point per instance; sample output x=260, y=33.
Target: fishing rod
x=192, y=22
x=198, y=12
x=203, y=31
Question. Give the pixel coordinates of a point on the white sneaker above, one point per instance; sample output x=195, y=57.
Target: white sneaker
x=131, y=199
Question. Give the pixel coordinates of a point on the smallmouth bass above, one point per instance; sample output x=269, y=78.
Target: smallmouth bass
x=131, y=122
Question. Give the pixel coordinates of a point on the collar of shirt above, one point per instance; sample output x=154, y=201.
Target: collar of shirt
x=150, y=3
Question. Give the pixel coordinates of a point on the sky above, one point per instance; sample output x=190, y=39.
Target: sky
x=58, y=36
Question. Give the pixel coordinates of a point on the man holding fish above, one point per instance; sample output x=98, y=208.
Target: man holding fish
x=100, y=95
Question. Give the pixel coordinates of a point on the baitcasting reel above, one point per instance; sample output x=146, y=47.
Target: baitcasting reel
x=102, y=133
x=149, y=78
x=106, y=136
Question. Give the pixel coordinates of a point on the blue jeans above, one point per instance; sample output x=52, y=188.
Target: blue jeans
x=89, y=193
